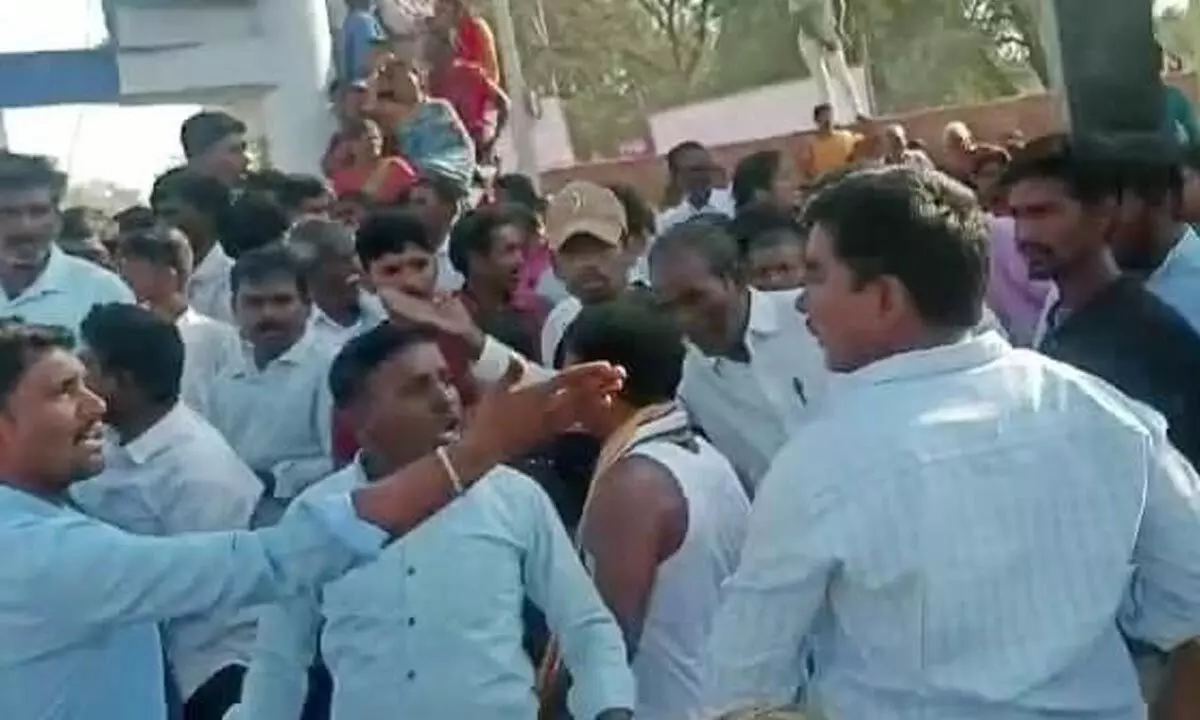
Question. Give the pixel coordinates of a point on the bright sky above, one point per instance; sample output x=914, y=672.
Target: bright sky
x=128, y=146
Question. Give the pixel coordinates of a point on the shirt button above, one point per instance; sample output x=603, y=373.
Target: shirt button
x=412, y=675
x=411, y=571
x=412, y=621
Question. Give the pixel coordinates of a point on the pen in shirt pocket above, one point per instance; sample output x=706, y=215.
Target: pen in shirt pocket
x=799, y=388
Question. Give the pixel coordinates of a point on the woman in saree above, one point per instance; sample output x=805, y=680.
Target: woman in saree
x=363, y=169
x=428, y=132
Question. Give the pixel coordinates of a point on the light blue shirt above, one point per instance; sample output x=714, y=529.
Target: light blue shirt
x=279, y=419
x=960, y=536
x=433, y=629
x=80, y=600
x=1177, y=280
x=65, y=292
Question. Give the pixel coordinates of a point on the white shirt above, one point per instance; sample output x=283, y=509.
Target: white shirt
x=180, y=476
x=720, y=202
x=671, y=659
x=209, y=346
x=65, y=292
x=209, y=291
x=448, y=278
x=329, y=332
x=555, y=327
x=748, y=410
x=279, y=419
x=964, y=534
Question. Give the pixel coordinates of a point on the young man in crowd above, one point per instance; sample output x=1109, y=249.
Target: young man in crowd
x=197, y=204
x=665, y=517
x=772, y=244
x=38, y=281
x=753, y=371
x=437, y=201
x=947, y=483
x=167, y=472
x=157, y=264
x=759, y=180
x=341, y=307
x=587, y=232
x=214, y=144
x=487, y=247
x=829, y=149
x=274, y=406
x=692, y=174
x=99, y=592
x=1066, y=202
x=433, y=628
x=304, y=196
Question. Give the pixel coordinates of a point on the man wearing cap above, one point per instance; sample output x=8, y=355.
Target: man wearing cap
x=587, y=233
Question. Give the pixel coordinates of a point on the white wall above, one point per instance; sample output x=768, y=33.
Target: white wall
x=183, y=25
x=764, y=112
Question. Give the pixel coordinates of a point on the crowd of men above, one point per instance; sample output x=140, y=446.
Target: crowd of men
x=893, y=442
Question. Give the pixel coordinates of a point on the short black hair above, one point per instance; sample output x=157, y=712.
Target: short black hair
x=679, y=150
x=639, y=216
x=760, y=227
x=267, y=180
x=21, y=346
x=299, y=187
x=447, y=190
x=29, y=172
x=313, y=240
x=160, y=246
x=755, y=173
x=133, y=341
x=388, y=231
x=709, y=238
x=473, y=233
x=632, y=333
x=207, y=194
x=919, y=226
x=269, y=262
x=1084, y=166
x=205, y=129
x=1148, y=166
x=821, y=108
x=254, y=220
x=134, y=217
x=521, y=190
x=364, y=353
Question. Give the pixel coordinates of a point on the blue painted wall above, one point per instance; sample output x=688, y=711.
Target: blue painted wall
x=59, y=77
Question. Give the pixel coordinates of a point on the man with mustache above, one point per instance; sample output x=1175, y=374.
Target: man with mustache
x=82, y=599
x=273, y=406
x=39, y=282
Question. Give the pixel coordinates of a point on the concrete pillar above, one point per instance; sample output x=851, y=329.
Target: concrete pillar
x=295, y=113
x=1104, y=59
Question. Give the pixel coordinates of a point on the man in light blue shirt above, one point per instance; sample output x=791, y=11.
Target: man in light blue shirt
x=80, y=600
x=38, y=281
x=360, y=32
x=968, y=529
x=272, y=404
x=433, y=629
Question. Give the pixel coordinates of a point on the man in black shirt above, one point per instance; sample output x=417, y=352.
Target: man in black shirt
x=1064, y=195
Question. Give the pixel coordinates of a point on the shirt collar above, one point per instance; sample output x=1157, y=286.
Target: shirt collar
x=1185, y=252
x=14, y=502
x=188, y=318
x=292, y=357
x=160, y=436
x=370, y=311
x=215, y=264
x=973, y=351
x=763, y=322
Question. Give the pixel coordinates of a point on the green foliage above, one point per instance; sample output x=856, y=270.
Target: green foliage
x=616, y=61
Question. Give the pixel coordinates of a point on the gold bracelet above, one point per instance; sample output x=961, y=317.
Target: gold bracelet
x=455, y=481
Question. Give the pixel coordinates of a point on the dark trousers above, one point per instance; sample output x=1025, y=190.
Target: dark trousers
x=219, y=693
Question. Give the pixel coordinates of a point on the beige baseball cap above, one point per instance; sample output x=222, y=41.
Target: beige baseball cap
x=582, y=207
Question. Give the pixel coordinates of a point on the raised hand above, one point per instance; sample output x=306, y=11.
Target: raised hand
x=443, y=313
